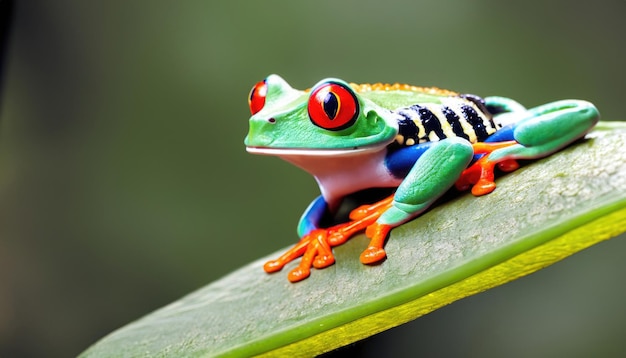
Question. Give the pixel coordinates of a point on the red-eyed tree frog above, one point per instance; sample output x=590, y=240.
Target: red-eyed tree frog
x=421, y=141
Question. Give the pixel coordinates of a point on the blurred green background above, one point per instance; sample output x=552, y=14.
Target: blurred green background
x=124, y=183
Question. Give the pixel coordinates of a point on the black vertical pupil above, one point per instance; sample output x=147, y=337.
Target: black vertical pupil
x=331, y=105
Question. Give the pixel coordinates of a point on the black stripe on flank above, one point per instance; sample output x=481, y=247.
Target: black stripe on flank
x=476, y=121
x=455, y=122
x=482, y=106
x=407, y=127
x=478, y=101
x=430, y=121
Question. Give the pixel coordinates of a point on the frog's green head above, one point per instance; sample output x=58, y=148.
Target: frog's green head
x=331, y=116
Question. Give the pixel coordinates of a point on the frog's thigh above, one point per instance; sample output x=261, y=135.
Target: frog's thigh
x=556, y=122
x=549, y=128
x=431, y=176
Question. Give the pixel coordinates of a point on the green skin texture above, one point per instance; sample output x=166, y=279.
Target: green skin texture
x=539, y=131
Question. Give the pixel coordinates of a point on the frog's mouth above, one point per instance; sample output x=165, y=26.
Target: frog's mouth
x=305, y=152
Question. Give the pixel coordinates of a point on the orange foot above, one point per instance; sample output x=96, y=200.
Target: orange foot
x=315, y=247
x=315, y=251
x=480, y=175
x=375, y=252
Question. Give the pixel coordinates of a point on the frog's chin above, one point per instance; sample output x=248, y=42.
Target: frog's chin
x=313, y=152
x=339, y=171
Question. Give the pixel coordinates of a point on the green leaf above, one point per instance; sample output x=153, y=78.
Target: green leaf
x=540, y=214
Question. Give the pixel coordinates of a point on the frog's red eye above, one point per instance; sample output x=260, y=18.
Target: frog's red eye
x=333, y=106
x=256, y=101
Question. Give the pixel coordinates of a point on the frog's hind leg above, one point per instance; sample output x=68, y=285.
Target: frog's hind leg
x=537, y=133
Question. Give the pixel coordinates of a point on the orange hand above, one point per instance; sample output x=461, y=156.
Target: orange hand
x=318, y=254
x=375, y=252
x=315, y=247
x=362, y=217
x=290, y=255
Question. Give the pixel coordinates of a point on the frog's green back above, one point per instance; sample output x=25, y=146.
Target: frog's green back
x=400, y=95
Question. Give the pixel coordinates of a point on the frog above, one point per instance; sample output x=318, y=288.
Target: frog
x=418, y=142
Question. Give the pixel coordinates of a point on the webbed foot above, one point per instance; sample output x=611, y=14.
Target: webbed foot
x=375, y=252
x=315, y=247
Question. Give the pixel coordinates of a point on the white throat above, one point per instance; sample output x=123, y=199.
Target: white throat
x=339, y=172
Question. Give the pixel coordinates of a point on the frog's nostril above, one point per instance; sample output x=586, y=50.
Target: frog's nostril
x=272, y=120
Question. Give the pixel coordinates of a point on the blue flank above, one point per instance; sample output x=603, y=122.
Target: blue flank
x=400, y=161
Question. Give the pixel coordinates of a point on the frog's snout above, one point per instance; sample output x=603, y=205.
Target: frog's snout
x=258, y=132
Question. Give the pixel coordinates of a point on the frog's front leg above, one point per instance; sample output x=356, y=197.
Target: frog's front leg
x=430, y=177
x=313, y=245
x=316, y=243
x=537, y=133
x=434, y=172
